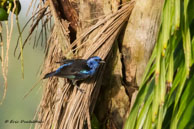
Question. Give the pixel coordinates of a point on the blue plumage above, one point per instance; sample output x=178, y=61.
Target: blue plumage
x=78, y=69
x=62, y=66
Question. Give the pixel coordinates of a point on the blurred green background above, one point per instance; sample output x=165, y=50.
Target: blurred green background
x=14, y=106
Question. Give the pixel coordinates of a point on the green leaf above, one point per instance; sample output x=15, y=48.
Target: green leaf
x=148, y=121
x=186, y=100
x=145, y=91
x=3, y=14
x=144, y=112
x=187, y=121
x=95, y=123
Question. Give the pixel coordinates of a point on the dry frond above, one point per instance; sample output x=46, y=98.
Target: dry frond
x=5, y=58
x=40, y=15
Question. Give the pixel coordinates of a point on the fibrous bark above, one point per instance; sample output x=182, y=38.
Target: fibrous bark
x=62, y=105
x=124, y=72
x=139, y=39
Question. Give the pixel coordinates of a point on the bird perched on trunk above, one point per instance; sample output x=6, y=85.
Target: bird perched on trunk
x=77, y=69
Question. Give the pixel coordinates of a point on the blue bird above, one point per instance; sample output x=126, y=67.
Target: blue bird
x=77, y=69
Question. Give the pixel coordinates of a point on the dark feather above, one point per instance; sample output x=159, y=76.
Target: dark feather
x=49, y=75
x=73, y=71
x=64, y=61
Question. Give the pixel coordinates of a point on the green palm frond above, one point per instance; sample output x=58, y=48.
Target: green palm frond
x=166, y=98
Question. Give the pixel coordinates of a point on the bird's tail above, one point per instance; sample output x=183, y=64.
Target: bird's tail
x=49, y=74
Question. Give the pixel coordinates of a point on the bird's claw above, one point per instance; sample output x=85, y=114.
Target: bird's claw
x=81, y=90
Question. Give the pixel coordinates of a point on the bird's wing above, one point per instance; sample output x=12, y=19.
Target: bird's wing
x=73, y=68
x=63, y=66
x=64, y=61
x=80, y=65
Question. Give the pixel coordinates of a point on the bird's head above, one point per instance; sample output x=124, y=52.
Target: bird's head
x=94, y=62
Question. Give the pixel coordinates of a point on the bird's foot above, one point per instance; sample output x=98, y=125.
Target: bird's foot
x=75, y=84
x=81, y=90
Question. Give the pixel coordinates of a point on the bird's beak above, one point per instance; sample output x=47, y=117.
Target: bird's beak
x=102, y=62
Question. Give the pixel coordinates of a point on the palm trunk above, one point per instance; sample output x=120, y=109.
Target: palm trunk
x=125, y=65
x=124, y=72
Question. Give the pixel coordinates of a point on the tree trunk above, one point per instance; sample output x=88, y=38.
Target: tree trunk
x=124, y=72
x=139, y=39
x=125, y=62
